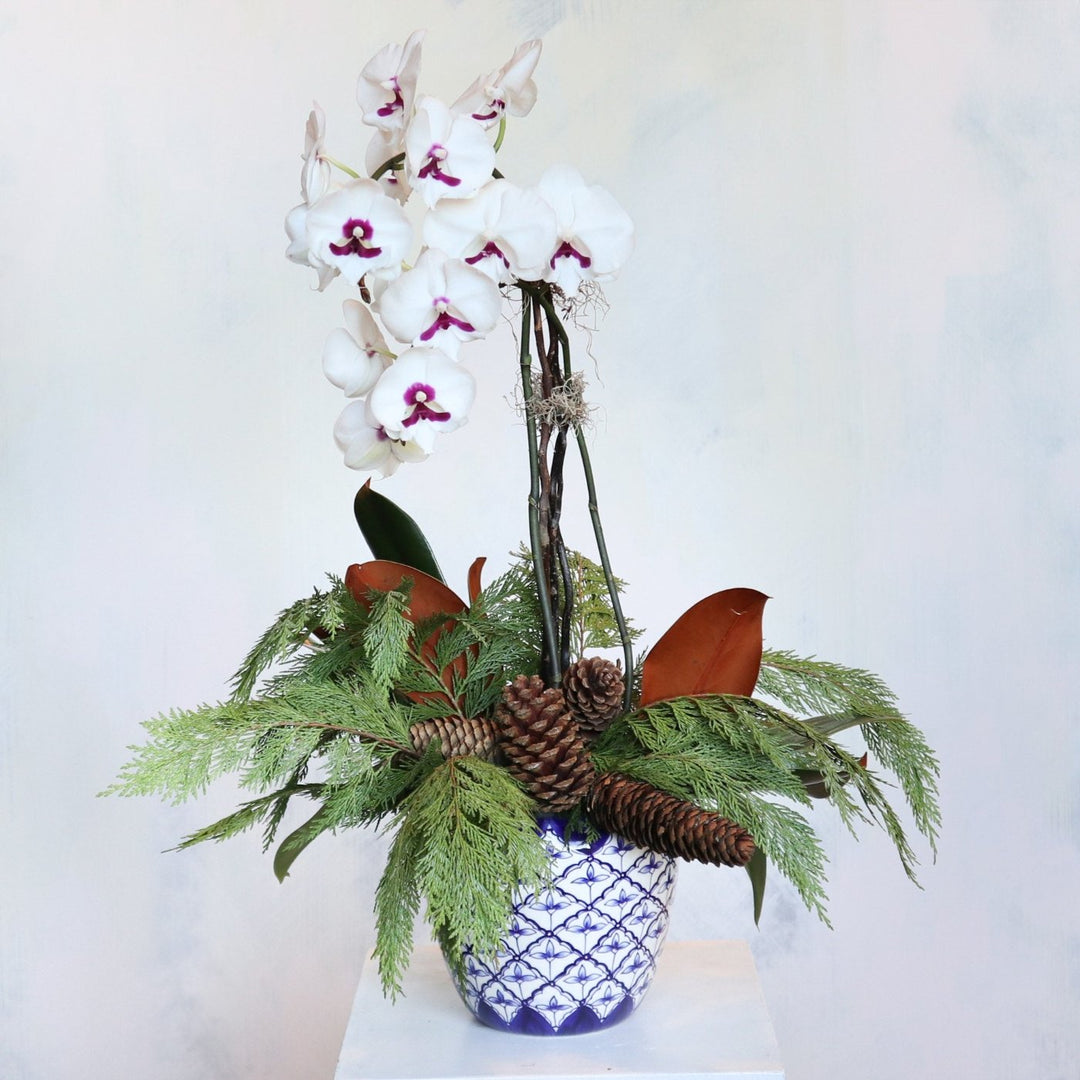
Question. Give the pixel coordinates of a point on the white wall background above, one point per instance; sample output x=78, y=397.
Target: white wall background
x=841, y=367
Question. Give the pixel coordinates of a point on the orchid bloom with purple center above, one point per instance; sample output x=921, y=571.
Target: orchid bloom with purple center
x=387, y=84
x=440, y=301
x=509, y=90
x=503, y=231
x=356, y=355
x=357, y=229
x=367, y=446
x=446, y=156
x=424, y=393
x=594, y=235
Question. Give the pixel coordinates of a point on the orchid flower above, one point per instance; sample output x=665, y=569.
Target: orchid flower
x=387, y=84
x=504, y=231
x=508, y=90
x=315, y=174
x=358, y=230
x=447, y=156
x=384, y=146
x=440, y=302
x=355, y=355
x=595, y=235
x=314, y=184
x=424, y=393
x=366, y=445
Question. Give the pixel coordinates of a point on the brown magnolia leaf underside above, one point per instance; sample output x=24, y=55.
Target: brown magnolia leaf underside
x=428, y=597
x=713, y=648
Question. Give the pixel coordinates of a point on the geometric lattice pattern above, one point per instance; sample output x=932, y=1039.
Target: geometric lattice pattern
x=580, y=955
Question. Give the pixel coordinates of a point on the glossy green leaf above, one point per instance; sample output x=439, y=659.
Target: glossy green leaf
x=391, y=533
x=757, y=869
x=296, y=841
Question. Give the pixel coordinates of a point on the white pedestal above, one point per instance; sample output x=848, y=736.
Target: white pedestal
x=704, y=1016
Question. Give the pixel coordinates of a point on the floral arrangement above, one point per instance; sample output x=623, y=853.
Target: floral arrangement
x=386, y=699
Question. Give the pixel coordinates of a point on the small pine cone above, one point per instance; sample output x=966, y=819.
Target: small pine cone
x=593, y=688
x=665, y=823
x=459, y=738
x=542, y=745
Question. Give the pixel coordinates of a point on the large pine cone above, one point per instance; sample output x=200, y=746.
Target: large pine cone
x=593, y=688
x=458, y=738
x=665, y=823
x=542, y=744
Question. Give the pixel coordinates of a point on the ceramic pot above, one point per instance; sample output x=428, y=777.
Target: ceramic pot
x=579, y=956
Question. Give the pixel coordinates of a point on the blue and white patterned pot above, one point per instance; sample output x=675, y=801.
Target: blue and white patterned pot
x=579, y=956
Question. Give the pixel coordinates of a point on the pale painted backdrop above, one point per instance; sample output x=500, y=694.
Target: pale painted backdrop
x=841, y=368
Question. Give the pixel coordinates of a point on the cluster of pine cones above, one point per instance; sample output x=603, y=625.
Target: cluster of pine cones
x=542, y=736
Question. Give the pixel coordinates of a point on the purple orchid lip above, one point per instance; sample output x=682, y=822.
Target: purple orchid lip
x=357, y=232
x=566, y=250
x=497, y=108
x=490, y=248
x=394, y=106
x=417, y=397
x=433, y=167
x=444, y=320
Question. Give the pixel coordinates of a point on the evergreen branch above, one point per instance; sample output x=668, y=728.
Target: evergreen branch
x=319, y=613
x=265, y=740
x=246, y=816
x=386, y=636
x=805, y=684
x=466, y=841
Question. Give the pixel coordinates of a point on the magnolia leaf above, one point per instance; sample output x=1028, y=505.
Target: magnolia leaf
x=296, y=841
x=714, y=648
x=391, y=533
x=427, y=597
x=757, y=868
x=474, y=578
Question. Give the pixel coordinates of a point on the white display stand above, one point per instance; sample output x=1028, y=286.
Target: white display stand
x=704, y=1016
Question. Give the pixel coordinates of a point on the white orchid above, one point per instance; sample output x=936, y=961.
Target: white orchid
x=504, y=231
x=315, y=174
x=508, y=90
x=357, y=230
x=441, y=302
x=314, y=184
x=366, y=445
x=447, y=156
x=355, y=355
x=595, y=235
x=423, y=394
x=387, y=84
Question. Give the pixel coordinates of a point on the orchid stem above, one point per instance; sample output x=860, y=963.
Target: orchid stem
x=594, y=511
x=394, y=163
x=339, y=165
x=502, y=132
x=549, y=657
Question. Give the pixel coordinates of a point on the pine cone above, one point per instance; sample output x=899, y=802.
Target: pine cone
x=593, y=688
x=459, y=738
x=542, y=745
x=665, y=823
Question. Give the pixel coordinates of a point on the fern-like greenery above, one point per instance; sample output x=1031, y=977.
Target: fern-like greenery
x=466, y=840
x=344, y=679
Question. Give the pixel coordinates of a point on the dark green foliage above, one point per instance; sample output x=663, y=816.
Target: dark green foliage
x=391, y=533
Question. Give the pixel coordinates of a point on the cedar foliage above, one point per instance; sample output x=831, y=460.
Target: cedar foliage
x=343, y=685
